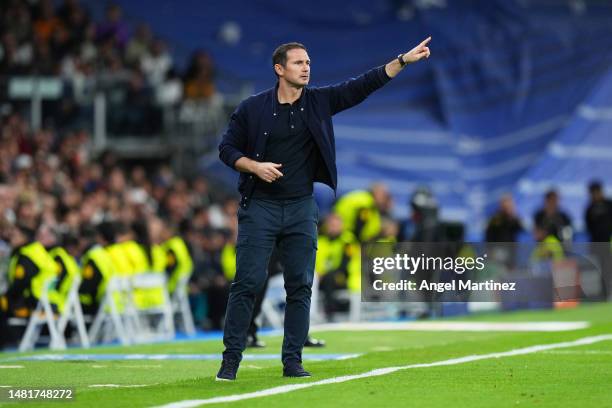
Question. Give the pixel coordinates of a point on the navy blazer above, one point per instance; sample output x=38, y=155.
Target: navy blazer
x=251, y=122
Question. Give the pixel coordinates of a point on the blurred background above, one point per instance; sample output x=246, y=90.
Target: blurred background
x=111, y=114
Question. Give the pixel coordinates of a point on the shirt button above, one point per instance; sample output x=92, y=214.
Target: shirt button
x=292, y=112
x=265, y=133
x=250, y=177
x=301, y=109
x=257, y=155
x=291, y=126
x=274, y=113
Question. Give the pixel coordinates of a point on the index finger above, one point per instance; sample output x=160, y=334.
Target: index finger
x=425, y=41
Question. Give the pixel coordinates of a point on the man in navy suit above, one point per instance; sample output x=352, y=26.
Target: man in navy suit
x=282, y=141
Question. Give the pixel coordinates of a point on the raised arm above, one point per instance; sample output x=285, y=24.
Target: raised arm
x=354, y=91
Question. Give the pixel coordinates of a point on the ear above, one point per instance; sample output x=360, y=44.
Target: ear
x=279, y=69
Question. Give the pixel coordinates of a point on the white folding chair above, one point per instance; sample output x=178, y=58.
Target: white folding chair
x=180, y=306
x=41, y=316
x=108, y=316
x=165, y=327
x=73, y=313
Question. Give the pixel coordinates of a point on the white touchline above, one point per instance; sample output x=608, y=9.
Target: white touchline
x=580, y=352
x=11, y=366
x=382, y=371
x=120, y=385
x=455, y=326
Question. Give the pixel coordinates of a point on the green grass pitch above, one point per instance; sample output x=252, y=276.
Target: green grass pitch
x=570, y=377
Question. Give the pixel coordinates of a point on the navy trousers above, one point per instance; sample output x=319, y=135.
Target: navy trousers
x=292, y=226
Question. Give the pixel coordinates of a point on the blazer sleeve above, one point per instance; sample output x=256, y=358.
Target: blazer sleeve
x=233, y=144
x=355, y=90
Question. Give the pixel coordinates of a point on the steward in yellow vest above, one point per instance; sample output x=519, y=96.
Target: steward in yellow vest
x=31, y=271
x=549, y=247
x=97, y=267
x=359, y=214
x=147, y=258
x=122, y=248
x=361, y=210
x=337, y=263
x=179, y=263
x=64, y=257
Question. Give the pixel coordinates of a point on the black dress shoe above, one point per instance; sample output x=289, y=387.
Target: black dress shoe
x=228, y=370
x=312, y=342
x=294, y=369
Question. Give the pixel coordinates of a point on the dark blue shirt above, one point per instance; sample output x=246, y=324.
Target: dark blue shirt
x=290, y=144
x=253, y=120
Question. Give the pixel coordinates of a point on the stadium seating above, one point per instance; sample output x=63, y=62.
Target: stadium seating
x=508, y=92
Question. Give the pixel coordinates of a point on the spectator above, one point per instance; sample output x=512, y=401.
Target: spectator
x=598, y=216
x=18, y=21
x=598, y=220
x=15, y=57
x=552, y=219
x=139, y=45
x=198, y=81
x=504, y=225
x=113, y=28
x=46, y=23
x=170, y=91
x=76, y=22
x=156, y=64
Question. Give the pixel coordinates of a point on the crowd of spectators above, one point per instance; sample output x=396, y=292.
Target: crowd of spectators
x=50, y=182
x=132, y=65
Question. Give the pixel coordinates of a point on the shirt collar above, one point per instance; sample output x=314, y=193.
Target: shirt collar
x=299, y=103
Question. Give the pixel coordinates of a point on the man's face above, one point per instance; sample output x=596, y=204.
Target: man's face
x=507, y=205
x=297, y=69
x=552, y=202
x=333, y=225
x=597, y=195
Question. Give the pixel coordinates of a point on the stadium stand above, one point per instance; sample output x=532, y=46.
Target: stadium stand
x=110, y=114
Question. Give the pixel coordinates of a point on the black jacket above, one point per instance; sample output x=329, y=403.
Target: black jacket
x=251, y=122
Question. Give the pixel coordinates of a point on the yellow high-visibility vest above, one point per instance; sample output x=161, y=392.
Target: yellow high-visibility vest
x=100, y=257
x=332, y=252
x=121, y=256
x=550, y=249
x=47, y=271
x=72, y=271
x=228, y=261
x=182, y=264
x=359, y=208
x=150, y=297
